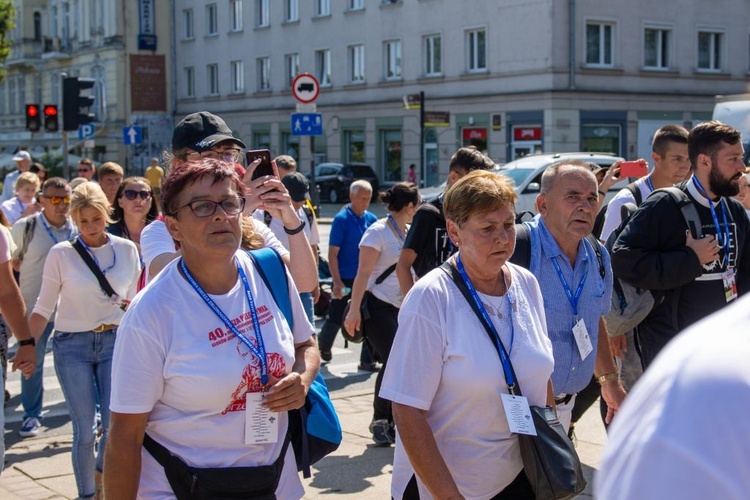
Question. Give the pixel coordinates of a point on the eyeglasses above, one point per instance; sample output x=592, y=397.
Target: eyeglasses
x=132, y=194
x=83, y=169
x=229, y=155
x=56, y=200
x=206, y=208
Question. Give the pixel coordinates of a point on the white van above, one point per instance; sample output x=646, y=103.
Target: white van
x=734, y=110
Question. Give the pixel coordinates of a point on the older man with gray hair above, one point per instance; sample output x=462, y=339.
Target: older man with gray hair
x=347, y=229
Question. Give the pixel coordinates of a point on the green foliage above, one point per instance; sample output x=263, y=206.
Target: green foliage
x=7, y=23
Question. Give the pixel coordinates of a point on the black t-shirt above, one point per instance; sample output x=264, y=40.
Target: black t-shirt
x=429, y=238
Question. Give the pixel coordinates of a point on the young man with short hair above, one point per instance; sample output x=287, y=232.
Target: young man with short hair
x=86, y=169
x=110, y=178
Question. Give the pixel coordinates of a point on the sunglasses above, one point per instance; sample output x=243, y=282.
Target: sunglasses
x=132, y=194
x=56, y=200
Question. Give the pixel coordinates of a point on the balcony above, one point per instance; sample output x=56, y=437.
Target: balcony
x=24, y=52
x=56, y=48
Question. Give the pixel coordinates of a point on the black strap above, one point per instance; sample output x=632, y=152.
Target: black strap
x=459, y=281
x=522, y=254
x=636, y=192
x=598, y=251
x=103, y=283
x=28, y=234
x=385, y=274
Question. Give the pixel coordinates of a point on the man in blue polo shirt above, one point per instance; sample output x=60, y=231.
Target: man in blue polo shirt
x=347, y=229
x=576, y=285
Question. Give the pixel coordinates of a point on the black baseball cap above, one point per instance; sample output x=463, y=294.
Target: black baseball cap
x=297, y=185
x=201, y=131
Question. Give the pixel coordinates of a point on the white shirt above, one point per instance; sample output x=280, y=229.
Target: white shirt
x=39, y=245
x=69, y=284
x=442, y=361
x=682, y=432
x=381, y=237
x=277, y=227
x=9, y=185
x=613, y=218
x=177, y=361
x=13, y=209
x=155, y=241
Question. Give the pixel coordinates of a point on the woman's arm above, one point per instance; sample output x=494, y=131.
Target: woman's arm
x=368, y=257
x=123, y=455
x=289, y=392
x=423, y=453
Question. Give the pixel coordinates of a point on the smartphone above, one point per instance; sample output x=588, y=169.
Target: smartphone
x=265, y=167
x=633, y=169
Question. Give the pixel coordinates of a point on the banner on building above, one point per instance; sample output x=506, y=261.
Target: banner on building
x=148, y=83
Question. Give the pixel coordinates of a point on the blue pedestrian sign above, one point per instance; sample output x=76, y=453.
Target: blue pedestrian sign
x=307, y=124
x=132, y=134
x=85, y=131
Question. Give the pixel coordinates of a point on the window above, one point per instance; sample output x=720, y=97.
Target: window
x=212, y=72
x=709, y=50
x=433, y=65
x=392, y=57
x=261, y=13
x=477, y=52
x=189, y=82
x=264, y=73
x=290, y=145
x=238, y=77
x=354, y=141
x=291, y=11
x=235, y=15
x=3, y=106
x=656, y=44
x=356, y=64
x=356, y=4
x=323, y=67
x=187, y=21
x=262, y=140
x=212, y=23
x=37, y=26
x=291, y=69
x=599, y=44
x=390, y=144
x=322, y=7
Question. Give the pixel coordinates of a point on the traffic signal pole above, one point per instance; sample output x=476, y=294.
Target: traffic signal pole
x=66, y=167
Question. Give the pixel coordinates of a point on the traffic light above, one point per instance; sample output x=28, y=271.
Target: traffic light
x=76, y=106
x=33, y=120
x=50, y=118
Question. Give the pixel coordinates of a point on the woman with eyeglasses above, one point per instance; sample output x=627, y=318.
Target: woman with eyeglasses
x=205, y=351
x=86, y=322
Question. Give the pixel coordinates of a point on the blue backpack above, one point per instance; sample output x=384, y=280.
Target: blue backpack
x=315, y=428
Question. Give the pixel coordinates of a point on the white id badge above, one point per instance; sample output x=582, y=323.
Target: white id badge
x=518, y=413
x=730, y=284
x=583, y=341
x=261, y=424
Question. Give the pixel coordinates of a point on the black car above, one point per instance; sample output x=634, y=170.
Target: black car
x=333, y=179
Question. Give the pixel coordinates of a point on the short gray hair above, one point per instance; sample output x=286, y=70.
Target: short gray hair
x=549, y=175
x=360, y=185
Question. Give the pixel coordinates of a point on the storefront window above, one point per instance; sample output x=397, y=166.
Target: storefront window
x=262, y=140
x=355, y=145
x=475, y=137
x=391, y=149
x=290, y=145
x=601, y=138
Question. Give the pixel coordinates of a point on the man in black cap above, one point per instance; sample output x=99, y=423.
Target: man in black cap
x=205, y=135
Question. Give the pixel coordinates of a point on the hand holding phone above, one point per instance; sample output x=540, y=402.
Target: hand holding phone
x=265, y=167
x=637, y=168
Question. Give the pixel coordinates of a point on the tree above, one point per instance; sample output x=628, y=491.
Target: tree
x=7, y=23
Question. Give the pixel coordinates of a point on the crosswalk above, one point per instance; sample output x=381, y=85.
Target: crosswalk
x=54, y=401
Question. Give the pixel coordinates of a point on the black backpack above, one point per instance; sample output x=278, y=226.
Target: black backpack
x=599, y=221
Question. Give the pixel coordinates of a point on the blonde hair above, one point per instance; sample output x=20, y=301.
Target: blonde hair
x=27, y=179
x=251, y=239
x=478, y=192
x=90, y=195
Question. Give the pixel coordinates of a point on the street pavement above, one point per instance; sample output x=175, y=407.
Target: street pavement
x=40, y=468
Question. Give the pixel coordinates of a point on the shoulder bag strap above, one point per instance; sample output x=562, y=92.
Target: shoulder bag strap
x=385, y=274
x=598, y=251
x=28, y=234
x=522, y=254
x=103, y=283
x=458, y=280
x=271, y=269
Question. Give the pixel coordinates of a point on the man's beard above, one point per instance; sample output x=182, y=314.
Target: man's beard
x=719, y=185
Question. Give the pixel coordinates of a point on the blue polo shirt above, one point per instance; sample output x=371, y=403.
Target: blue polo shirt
x=571, y=374
x=347, y=229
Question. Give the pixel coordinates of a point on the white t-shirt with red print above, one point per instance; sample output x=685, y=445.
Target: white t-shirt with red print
x=175, y=359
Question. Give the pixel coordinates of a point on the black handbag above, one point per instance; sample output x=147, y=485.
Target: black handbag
x=549, y=458
x=195, y=483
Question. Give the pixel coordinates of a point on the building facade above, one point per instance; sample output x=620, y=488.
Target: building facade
x=515, y=76
x=125, y=47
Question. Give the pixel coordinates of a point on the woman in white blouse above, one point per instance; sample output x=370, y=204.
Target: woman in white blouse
x=86, y=323
x=376, y=281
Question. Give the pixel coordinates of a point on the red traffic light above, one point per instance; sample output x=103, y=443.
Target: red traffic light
x=50, y=110
x=32, y=110
x=50, y=118
x=33, y=120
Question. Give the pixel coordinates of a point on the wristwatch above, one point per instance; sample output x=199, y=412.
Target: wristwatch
x=296, y=230
x=30, y=342
x=607, y=377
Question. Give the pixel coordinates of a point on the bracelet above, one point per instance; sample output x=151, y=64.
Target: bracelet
x=31, y=342
x=602, y=193
x=296, y=230
x=607, y=377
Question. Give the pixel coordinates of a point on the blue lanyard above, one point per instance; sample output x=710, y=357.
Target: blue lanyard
x=650, y=184
x=722, y=236
x=51, y=234
x=20, y=204
x=114, y=254
x=395, y=226
x=573, y=299
x=498, y=343
x=260, y=351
